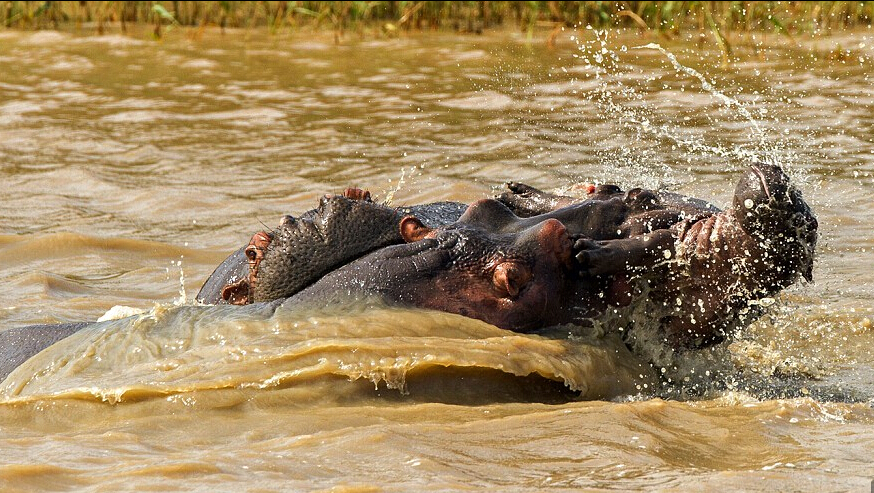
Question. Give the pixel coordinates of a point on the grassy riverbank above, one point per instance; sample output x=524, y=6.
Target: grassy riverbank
x=391, y=17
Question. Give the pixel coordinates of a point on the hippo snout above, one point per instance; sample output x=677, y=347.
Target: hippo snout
x=773, y=212
x=761, y=184
x=766, y=203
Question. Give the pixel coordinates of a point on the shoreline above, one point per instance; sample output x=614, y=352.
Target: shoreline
x=841, y=46
x=720, y=20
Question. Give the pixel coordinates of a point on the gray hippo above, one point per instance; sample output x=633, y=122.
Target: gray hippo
x=560, y=264
x=514, y=281
x=342, y=229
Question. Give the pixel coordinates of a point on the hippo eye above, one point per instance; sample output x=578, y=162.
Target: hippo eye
x=252, y=253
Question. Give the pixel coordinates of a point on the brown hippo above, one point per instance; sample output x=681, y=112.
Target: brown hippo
x=345, y=227
x=715, y=262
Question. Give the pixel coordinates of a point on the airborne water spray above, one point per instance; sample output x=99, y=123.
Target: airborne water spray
x=624, y=103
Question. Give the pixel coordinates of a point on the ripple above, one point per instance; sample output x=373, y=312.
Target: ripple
x=349, y=92
x=558, y=88
x=139, y=116
x=190, y=89
x=71, y=64
x=275, y=94
x=252, y=116
x=200, y=63
x=483, y=100
x=44, y=38
x=109, y=39
x=138, y=103
x=77, y=97
x=14, y=87
x=13, y=111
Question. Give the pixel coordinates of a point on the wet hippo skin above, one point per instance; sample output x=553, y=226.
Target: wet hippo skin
x=279, y=263
x=20, y=343
x=707, y=266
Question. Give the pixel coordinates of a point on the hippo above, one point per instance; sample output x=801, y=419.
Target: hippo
x=699, y=265
x=514, y=281
x=558, y=260
x=345, y=227
x=716, y=262
x=341, y=229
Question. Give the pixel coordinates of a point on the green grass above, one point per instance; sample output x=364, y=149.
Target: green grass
x=389, y=18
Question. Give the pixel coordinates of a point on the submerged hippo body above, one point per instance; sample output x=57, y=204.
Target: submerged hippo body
x=18, y=344
x=514, y=281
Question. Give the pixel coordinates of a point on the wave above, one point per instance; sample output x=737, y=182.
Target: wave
x=173, y=350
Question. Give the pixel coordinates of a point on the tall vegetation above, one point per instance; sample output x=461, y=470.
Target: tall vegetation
x=390, y=17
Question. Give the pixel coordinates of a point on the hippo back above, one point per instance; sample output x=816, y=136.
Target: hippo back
x=20, y=343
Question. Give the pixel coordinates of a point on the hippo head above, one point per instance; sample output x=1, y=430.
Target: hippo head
x=302, y=250
x=772, y=211
x=510, y=280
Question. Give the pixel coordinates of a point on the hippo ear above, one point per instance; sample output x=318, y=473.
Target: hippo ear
x=357, y=194
x=413, y=230
x=237, y=293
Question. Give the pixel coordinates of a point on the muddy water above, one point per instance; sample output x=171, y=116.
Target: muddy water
x=130, y=168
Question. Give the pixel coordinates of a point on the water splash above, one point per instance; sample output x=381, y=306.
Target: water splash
x=710, y=88
x=120, y=311
x=182, y=299
x=614, y=90
x=391, y=193
x=623, y=97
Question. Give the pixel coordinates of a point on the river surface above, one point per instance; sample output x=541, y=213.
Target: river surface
x=130, y=168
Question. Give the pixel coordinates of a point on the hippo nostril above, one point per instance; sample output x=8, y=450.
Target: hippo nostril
x=511, y=277
x=642, y=198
